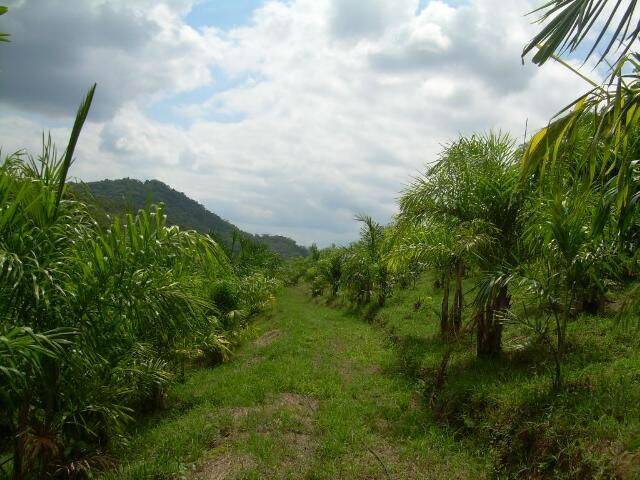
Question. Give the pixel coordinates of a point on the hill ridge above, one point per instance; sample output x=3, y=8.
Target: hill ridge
x=118, y=195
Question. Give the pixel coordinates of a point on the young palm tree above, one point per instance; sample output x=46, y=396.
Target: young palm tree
x=330, y=268
x=472, y=193
x=365, y=273
x=121, y=307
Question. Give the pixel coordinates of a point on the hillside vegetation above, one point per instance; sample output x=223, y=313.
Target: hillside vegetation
x=129, y=195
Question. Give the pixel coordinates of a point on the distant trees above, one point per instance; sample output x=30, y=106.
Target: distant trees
x=127, y=195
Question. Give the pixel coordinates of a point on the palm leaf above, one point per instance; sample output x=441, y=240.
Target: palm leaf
x=81, y=116
x=568, y=22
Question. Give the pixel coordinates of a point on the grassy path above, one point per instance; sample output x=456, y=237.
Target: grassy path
x=313, y=394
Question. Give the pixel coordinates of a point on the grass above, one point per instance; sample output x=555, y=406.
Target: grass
x=590, y=429
x=317, y=392
x=313, y=393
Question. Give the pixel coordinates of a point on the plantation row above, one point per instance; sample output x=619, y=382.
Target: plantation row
x=97, y=320
x=537, y=250
x=546, y=229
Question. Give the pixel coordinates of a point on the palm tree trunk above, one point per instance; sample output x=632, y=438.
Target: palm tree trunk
x=489, y=324
x=19, y=440
x=381, y=300
x=444, y=315
x=456, y=309
x=382, y=297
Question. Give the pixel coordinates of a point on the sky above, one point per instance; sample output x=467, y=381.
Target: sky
x=284, y=117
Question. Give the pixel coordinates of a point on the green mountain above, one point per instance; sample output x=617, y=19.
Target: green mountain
x=127, y=194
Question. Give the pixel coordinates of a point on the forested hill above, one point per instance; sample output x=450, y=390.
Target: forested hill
x=127, y=194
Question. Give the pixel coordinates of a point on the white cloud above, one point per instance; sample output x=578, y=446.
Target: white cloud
x=336, y=104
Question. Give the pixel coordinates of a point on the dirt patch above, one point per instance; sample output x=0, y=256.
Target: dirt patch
x=256, y=359
x=301, y=445
x=300, y=442
x=290, y=401
x=267, y=338
x=242, y=412
x=297, y=402
x=225, y=466
x=300, y=407
x=623, y=464
x=296, y=437
x=382, y=461
x=336, y=345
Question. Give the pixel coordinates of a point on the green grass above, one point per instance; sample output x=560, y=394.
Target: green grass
x=330, y=395
x=590, y=429
x=313, y=393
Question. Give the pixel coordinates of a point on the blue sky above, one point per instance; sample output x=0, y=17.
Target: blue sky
x=227, y=14
x=223, y=14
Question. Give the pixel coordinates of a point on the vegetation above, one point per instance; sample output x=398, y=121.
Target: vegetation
x=504, y=293
x=4, y=37
x=115, y=197
x=545, y=238
x=97, y=321
x=312, y=393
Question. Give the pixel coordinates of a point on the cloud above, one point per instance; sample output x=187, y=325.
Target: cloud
x=353, y=19
x=59, y=48
x=321, y=109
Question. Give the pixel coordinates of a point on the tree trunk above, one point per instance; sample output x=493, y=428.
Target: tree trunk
x=456, y=309
x=19, y=440
x=592, y=304
x=489, y=323
x=444, y=315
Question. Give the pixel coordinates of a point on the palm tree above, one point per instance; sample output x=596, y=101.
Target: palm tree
x=364, y=272
x=569, y=23
x=330, y=268
x=118, y=306
x=443, y=245
x=375, y=245
x=471, y=194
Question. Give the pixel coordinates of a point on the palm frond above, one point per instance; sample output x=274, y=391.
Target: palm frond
x=569, y=23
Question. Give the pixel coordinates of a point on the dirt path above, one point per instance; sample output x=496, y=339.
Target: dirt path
x=315, y=395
